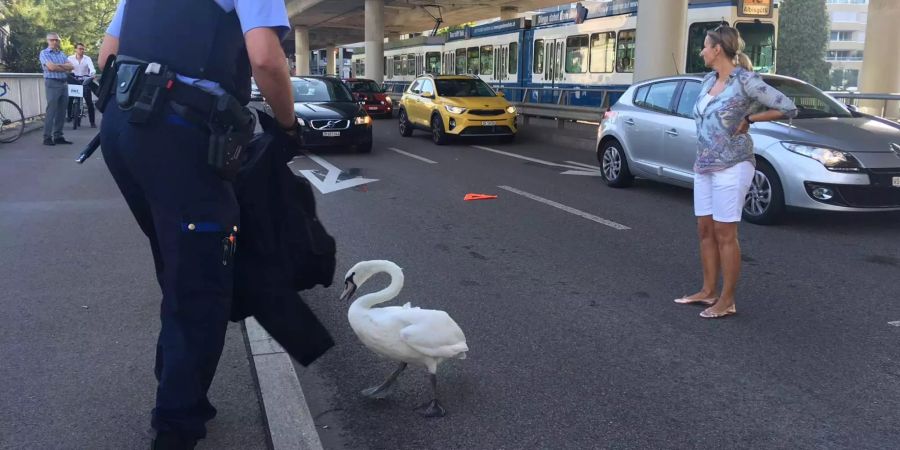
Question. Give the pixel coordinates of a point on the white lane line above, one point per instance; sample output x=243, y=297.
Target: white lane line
x=568, y=209
x=584, y=165
x=895, y=323
x=527, y=158
x=394, y=149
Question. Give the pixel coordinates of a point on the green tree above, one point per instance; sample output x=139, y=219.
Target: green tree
x=29, y=22
x=803, y=30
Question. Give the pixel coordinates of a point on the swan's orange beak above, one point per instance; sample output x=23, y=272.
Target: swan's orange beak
x=349, y=290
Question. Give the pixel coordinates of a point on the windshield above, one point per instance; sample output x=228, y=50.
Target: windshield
x=318, y=90
x=363, y=86
x=464, y=88
x=811, y=102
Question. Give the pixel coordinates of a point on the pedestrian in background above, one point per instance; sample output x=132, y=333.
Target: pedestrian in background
x=83, y=70
x=732, y=97
x=56, y=71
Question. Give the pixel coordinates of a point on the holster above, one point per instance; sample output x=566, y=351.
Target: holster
x=231, y=129
x=107, y=84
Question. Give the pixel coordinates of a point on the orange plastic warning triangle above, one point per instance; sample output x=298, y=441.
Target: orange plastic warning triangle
x=470, y=197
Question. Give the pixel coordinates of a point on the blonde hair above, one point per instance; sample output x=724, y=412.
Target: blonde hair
x=730, y=40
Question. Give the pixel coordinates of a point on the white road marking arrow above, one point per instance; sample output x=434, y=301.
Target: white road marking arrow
x=575, y=168
x=330, y=183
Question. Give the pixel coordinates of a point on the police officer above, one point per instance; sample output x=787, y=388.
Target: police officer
x=161, y=139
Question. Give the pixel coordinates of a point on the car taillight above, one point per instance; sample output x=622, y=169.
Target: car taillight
x=609, y=114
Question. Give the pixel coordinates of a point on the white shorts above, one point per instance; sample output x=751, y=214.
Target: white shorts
x=721, y=194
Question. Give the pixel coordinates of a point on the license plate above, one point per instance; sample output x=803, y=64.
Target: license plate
x=489, y=123
x=372, y=108
x=331, y=133
x=895, y=181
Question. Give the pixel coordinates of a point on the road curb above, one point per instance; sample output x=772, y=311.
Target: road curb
x=287, y=415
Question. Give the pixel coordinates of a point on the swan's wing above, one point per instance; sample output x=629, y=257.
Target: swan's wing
x=432, y=333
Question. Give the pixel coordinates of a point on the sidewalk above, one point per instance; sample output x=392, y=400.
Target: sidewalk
x=81, y=306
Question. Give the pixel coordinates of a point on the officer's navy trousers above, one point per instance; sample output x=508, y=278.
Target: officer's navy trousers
x=189, y=215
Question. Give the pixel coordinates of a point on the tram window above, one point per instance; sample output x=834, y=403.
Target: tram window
x=487, y=59
x=384, y=66
x=603, y=52
x=411, y=65
x=696, y=36
x=474, y=66
x=461, y=61
x=577, y=54
x=538, y=56
x=433, y=64
x=513, y=58
x=398, y=66
x=689, y=94
x=625, y=52
x=760, y=44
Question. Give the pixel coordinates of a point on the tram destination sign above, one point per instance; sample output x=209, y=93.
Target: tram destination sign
x=755, y=8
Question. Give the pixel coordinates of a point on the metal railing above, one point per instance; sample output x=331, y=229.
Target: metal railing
x=26, y=90
x=563, y=104
x=890, y=103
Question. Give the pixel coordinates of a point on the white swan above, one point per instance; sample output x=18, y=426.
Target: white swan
x=401, y=333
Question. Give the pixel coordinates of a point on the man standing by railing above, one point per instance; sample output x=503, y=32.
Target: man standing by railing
x=56, y=68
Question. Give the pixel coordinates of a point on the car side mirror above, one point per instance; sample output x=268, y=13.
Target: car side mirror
x=852, y=108
x=500, y=94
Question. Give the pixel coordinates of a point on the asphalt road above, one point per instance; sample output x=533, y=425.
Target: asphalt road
x=80, y=308
x=575, y=341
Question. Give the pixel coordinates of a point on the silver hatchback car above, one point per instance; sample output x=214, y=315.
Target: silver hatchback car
x=827, y=158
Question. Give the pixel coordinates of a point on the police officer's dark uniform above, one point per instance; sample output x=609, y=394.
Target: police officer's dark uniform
x=158, y=143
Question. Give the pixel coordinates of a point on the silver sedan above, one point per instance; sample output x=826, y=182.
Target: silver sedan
x=827, y=158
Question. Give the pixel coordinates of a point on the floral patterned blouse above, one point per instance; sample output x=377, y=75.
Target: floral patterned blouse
x=745, y=93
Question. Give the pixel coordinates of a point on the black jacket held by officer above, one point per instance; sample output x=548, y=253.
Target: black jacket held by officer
x=173, y=130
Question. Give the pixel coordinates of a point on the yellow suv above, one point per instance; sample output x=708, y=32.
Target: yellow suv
x=456, y=105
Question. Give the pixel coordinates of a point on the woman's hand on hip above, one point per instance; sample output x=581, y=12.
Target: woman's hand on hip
x=743, y=127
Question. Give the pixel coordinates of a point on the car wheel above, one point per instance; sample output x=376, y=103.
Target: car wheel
x=437, y=130
x=405, y=127
x=764, y=204
x=614, y=165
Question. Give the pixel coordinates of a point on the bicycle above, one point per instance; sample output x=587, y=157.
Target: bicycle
x=12, y=121
x=77, y=85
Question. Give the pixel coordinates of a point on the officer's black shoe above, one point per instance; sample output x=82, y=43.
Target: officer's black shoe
x=49, y=142
x=61, y=141
x=172, y=441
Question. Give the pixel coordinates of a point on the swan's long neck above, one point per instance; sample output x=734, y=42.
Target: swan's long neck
x=392, y=290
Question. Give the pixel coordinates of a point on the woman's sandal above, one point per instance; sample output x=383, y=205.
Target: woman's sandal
x=706, y=314
x=687, y=301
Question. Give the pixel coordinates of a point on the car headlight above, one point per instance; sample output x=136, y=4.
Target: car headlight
x=363, y=120
x=454, y=109
x=835, y=160
x=511, y=109
x=388, y=100
x=301, y=121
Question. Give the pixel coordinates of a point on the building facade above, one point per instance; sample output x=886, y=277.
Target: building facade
x=846, y=42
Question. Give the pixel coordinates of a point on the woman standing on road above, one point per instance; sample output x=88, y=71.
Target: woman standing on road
x=732, y=97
